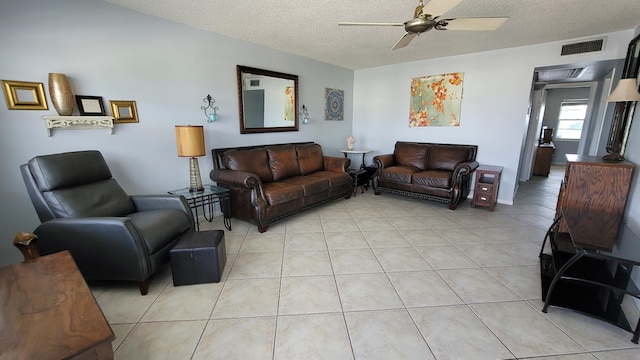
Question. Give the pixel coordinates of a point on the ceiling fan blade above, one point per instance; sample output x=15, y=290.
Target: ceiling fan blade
x=474, y=23
x=347, y=23
x=439, y=7
x=404, y=41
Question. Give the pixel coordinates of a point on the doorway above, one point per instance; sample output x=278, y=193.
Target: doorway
x=597, y=78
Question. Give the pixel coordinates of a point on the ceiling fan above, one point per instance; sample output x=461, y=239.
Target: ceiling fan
x=427, y=17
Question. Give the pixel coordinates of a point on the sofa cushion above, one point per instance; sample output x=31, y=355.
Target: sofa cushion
x=310, y=184
x=443, y=157
x=254, y=161
x=414, y=155
x=433, y=178
x=401, y=174
x=335, y=179
x=279, y=192
x=283, y=161
x=309, y=158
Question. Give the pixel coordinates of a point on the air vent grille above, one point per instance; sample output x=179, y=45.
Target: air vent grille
x=582, y=47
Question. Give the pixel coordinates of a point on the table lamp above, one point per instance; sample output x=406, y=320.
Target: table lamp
x=190, y=141
x=625, y=92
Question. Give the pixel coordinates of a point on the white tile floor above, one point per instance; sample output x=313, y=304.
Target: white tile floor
x=372, y=277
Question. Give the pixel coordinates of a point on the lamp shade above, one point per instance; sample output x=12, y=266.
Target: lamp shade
x=190, y=140
x=627, y=90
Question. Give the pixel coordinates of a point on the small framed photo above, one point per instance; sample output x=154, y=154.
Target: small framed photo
x=90, y=105
x=24, y=95
x=123, y=111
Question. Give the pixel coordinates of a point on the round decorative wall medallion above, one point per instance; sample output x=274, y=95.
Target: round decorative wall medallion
x=335, y=104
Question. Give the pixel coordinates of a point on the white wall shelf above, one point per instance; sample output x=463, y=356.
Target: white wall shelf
x=78, y=123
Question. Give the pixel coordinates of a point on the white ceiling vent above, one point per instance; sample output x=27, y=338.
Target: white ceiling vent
x=582, y=47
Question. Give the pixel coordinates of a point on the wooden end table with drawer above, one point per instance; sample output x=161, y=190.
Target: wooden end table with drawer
x=485, y=190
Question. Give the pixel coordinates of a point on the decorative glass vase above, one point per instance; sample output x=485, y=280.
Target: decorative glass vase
x=60, y=93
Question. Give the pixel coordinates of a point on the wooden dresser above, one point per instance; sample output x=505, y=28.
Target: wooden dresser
x=595, y=187
x=544, y=155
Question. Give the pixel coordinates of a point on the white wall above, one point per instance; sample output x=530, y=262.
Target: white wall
x=167, y=68
x=495, y=101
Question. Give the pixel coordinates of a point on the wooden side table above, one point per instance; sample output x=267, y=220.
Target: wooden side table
x=485, y=190
x=357, y=151
x=47, y=311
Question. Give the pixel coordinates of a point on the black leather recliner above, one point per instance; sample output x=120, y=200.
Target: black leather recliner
x=111, y=235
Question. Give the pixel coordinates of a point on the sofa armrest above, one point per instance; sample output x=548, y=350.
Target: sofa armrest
x=336, y=164
x=464, y=168
x=382, y=161
x=236, y=178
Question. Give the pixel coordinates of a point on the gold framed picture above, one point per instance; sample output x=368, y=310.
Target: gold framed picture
x=123, y=111
x=24, y=95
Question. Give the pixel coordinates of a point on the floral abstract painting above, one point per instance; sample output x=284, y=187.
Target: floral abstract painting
x=436, y=100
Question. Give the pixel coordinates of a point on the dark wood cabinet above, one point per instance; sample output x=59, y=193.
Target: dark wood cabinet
x=593, y=191
x=544, y=155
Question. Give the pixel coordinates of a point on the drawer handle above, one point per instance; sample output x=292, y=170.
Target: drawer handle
x=484, y=188
x=483, y=198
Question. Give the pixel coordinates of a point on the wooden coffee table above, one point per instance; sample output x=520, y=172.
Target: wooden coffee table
x=48, y=312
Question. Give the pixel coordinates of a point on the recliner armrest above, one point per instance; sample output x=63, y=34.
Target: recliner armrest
x=94, y=238
x=154, y=202
x=336, y=164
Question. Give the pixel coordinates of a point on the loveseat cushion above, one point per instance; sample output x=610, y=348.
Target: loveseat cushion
x=254, y=161
x=279, y=192
x=400, y=174
x=283, y=161
x=442, y=157
x=433, y=178
x=309, y=158
x=414, y=155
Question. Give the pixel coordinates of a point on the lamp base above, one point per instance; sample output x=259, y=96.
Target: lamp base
x=613, y=157
x=195, y=181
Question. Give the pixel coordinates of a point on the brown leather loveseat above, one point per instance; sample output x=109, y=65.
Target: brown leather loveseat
x=270, y=182
x=440, y=172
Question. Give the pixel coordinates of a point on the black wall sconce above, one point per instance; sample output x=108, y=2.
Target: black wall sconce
x=305, y=114
x=210, y=111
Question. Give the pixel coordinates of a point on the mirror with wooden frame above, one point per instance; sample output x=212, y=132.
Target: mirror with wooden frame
x=268, y=100
x=623, y=113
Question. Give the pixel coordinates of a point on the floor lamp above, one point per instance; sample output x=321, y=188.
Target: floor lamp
x=626, y=92
x=190, y=141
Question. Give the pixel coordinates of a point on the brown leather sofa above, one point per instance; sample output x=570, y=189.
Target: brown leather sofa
x=270, y=182
x=440, y=172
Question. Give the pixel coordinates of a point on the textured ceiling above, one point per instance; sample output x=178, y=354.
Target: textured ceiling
x=309, y=28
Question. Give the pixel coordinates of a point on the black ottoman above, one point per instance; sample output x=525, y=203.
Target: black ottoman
x=199, y=257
